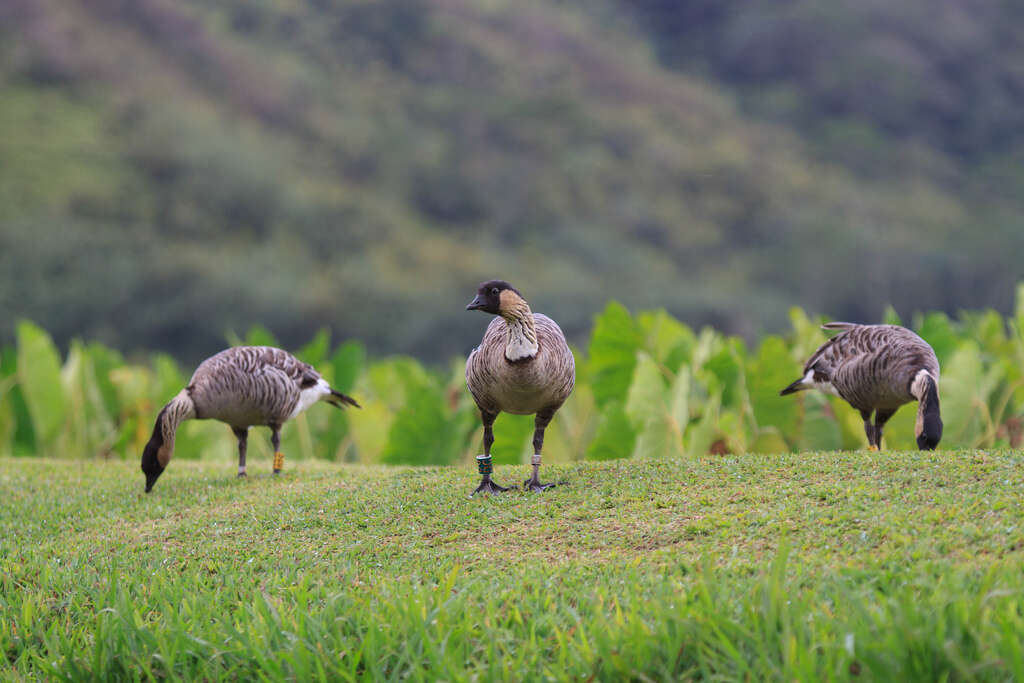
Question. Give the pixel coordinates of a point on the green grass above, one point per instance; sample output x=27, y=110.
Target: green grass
x=898, y=566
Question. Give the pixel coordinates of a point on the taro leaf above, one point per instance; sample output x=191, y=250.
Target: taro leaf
x=679, y=400
x=821, y=430
x=891, y=317
x=615, y=436
x=315, y=352
x=732, y=428
x=259, y=336
x=768, y=373
x=394, y=379
x=613, y=348
x=92, y=428
x=370, y=431
x=169, y=380
x=964, y=391
x=898, y=433
x=7, y=424
x=659, y=438
x=513, y=435
x=851, y=427
x=421, y=433
x=348, y=362
x=13, y=412
x=808, y=335
x=989, y=330
x=769, y=441
x=669, y=341
x=646, y=396
x=103, y=361
x=937, y=330
x=725, y=365
x=39, y=379
x=703, y=433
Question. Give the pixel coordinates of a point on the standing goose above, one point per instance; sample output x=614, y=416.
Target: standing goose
x=523, y=366
x=878, y=368
x=242, y=386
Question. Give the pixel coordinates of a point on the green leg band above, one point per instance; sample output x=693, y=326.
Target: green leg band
x=483, y=464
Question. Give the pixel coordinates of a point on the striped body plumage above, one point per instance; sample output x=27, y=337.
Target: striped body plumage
x=523, y=366
x=521, y=388
x=878, y=368
x=243, y=386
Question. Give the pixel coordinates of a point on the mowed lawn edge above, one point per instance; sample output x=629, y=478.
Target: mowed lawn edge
x=814, y=565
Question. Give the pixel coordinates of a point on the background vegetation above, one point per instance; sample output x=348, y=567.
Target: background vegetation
x=647, y=386
x=171, y=170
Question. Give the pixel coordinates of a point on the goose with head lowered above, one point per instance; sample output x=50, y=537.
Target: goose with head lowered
x=243, y=386
x=878, y=368
x=523, y=366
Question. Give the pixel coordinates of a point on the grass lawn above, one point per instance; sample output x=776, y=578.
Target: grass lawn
x=817, y=566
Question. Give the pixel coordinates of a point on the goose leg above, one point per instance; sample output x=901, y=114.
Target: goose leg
x=881, y=417
x=869, y=429
x=540, y=424
x=483, y=462
x=275, y=441
x=242, y=434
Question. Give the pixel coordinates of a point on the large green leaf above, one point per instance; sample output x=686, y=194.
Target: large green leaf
x=669, y=341
x=259, y=336
x=659, y=438
x=612, y=357
x=964, y=392
x=421, y=432
x=513, y=436
x=91, y=428
x=615, y=436
x=771, y=371
x=703, y=433
x=39, y=379
x=726, y=366
x=646, y=396
x=937, y=330
x=821, y=430
x=315, y=352
x=393, y=379
x=347, y=362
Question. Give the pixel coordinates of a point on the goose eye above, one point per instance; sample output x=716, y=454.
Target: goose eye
x=494, y=290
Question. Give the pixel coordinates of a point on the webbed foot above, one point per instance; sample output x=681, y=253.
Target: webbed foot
x=488, y=486
x=534, y=484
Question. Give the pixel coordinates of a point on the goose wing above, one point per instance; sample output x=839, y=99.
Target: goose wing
x=250, y=385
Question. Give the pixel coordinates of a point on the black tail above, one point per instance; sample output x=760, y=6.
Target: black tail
x=340, y=400
x=794, y=387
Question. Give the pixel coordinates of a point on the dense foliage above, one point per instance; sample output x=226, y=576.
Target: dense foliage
x=170, y=170
x=647, y=385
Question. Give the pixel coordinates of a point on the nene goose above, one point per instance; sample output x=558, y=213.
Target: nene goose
x=242, y=386
x=523, y=366
x=878, y=368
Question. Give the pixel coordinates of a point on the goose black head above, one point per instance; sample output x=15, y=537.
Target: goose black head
x=930, y=432
x=151, y=465
x=491, y=297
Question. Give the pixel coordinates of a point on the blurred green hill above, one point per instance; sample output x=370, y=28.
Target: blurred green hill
x=172, y=169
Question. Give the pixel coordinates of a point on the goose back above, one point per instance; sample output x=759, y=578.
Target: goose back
x=872, y=366
x=250, y=385
x=522, y=387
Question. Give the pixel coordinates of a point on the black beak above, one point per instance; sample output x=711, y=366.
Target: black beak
x=151, y=479
x=475, y=304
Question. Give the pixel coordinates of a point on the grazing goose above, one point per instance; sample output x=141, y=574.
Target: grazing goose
x=523, y=366
x=878, y=368
x=242, y=386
